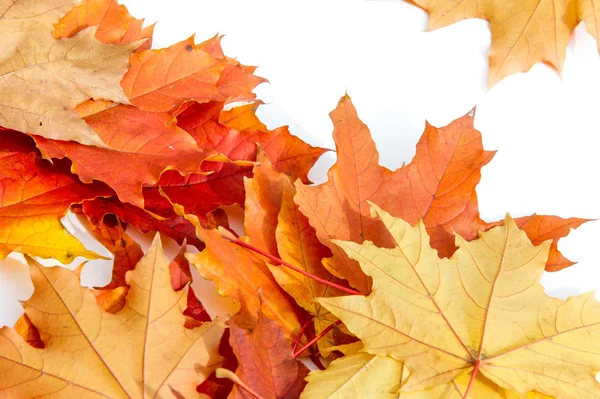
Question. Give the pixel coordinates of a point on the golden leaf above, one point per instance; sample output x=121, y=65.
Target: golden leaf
x=143, y=351
x=482, y=312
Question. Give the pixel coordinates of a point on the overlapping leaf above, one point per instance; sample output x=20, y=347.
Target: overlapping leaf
x=224, y=185
x=244, y=276
x=274, y=223
x=34, y=197
x=141, y=146
x=144, y=350
x=114, y=23
x=438, y=186
x=481, y=313
x=266, y=361
x=44, y=79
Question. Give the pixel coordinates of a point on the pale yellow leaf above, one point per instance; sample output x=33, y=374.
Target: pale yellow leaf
x=485, y=303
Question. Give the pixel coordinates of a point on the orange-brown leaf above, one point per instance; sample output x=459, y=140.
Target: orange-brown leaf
x=25, y=328
x=162, y=80
x=35, y=196
x=141, y=146
x=438, y=186
x=242, y=274
x=180, y=269
x=115, y=24
x=338, y=208
x=273, y=222
x=224, y=186
x=266, y=361
x=540, y=228
x=126, y=251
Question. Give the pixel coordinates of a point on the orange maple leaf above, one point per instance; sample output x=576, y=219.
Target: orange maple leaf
x=438, y=186
x=114, y=23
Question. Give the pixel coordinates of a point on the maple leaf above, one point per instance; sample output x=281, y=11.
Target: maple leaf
x=224, y=185
x=243, y=275
x=544, y=227
x=273, y=222
x=356, y=375
x=163, y=80
x=44, y=78
x=237, y=81
x=438, y=186
x=266, y=360
x=524, y=32
x=141, y=146
x=144, y=350
x=115, y=24
x=35, y=196
x=482, y=312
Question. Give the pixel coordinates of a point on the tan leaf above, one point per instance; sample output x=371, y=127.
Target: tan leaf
x=43, y=79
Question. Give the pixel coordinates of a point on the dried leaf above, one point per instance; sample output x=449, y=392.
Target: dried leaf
x=266, y=361
x=224, y=186
x=524, y=32
x=162, y=80
x=141, y=146
x=35, y=196
x=44, y=78
x=438, y=186
x=244, y=276
x=141, y=351
x=115, y=24
x=482, y=312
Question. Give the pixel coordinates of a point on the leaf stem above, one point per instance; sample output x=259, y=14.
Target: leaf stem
x=224, y=373
x=472, y=380
x=301, y=333
x=317, y=337
x=279, y=261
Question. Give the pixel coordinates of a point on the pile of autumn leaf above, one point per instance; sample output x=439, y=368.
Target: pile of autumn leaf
x=95, y=122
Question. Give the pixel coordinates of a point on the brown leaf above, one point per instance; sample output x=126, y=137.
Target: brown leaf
x=243, y=275
x=266, y=361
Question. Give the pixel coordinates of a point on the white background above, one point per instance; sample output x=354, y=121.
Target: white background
x=545, y=128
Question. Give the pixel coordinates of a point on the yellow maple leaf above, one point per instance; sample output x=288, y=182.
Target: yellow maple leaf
x=43, y=79
x=481, y=314
x=142, y=351
x=524, y=32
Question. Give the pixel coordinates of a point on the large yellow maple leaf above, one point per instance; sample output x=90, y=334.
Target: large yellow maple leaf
x=143, y=351
x=524, y=32
x=43, y=79
x=481, y=313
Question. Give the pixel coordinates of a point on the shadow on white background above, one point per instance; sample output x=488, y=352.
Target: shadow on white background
x=546, y=129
